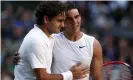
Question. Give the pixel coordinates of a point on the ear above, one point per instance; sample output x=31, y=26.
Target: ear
x=45, y=19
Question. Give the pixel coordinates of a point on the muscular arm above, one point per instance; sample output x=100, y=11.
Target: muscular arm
x=41, y=74
x=97, y=61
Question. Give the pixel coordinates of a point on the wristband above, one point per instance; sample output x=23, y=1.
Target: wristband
x=67, y=75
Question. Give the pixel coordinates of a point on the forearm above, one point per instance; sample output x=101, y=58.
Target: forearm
x=97, y=77
x=97, y=71
x=50, y=77
x=41, y=74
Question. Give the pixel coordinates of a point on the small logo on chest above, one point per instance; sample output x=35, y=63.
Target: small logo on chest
x=82, y=46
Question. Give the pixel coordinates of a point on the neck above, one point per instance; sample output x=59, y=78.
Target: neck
x=45, y=30
x=73, y=36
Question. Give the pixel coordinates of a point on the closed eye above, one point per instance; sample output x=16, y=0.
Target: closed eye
x=68, y=18
x=77, y=16
x=61, y=20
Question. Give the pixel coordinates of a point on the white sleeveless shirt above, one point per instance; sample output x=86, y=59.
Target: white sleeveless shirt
x=67, y=53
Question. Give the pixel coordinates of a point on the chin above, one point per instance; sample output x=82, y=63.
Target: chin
x=57, y=31
x=77, y=30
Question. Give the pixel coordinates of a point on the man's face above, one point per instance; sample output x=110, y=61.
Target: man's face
x=56, y=23
x=73, y=21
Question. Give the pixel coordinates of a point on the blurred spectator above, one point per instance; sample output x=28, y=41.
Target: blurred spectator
x=124, y=49
x=26, y=19
x=108, y=48
x=19, y=12
x=7, y=13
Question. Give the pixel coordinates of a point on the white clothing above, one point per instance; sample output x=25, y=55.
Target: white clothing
x=35, y=52
x=67, y=53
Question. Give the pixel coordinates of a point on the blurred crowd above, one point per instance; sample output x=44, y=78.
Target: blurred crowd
x=111, y=22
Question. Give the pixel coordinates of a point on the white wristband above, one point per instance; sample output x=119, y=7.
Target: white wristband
x=67, y=75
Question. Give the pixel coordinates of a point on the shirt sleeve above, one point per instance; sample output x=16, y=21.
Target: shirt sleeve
x=36, y=56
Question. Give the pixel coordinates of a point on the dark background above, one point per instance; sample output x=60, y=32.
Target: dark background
x=111, y=22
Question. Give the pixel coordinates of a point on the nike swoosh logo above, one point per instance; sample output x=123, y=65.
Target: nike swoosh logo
x=82, y=46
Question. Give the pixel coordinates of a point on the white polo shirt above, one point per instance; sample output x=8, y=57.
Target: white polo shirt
x=35, y=52
x=67, y=53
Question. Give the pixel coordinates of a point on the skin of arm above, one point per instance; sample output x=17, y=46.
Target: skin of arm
x=36, y=56
x=97, y=61
x=76, y=70
x=41, y=74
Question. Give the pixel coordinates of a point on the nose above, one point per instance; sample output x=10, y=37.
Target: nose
x=74, y=21
x=62, y=24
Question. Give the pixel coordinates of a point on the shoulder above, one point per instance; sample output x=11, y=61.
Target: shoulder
x=36, y=41
x=97, y=49
x=57, y=35
x=95, y=41
x=96, y=44
x=88, y=36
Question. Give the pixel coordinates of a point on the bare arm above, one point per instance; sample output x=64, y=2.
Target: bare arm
x=41, y=74
x=76, y=70
x=97, y=61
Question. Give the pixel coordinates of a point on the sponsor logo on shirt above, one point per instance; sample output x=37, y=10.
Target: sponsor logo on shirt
x=82, y=46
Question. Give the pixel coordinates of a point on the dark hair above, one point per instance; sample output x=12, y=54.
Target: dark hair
x=50, y=9
x=72, y=5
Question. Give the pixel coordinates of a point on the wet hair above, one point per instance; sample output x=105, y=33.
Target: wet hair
x=50, y=9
